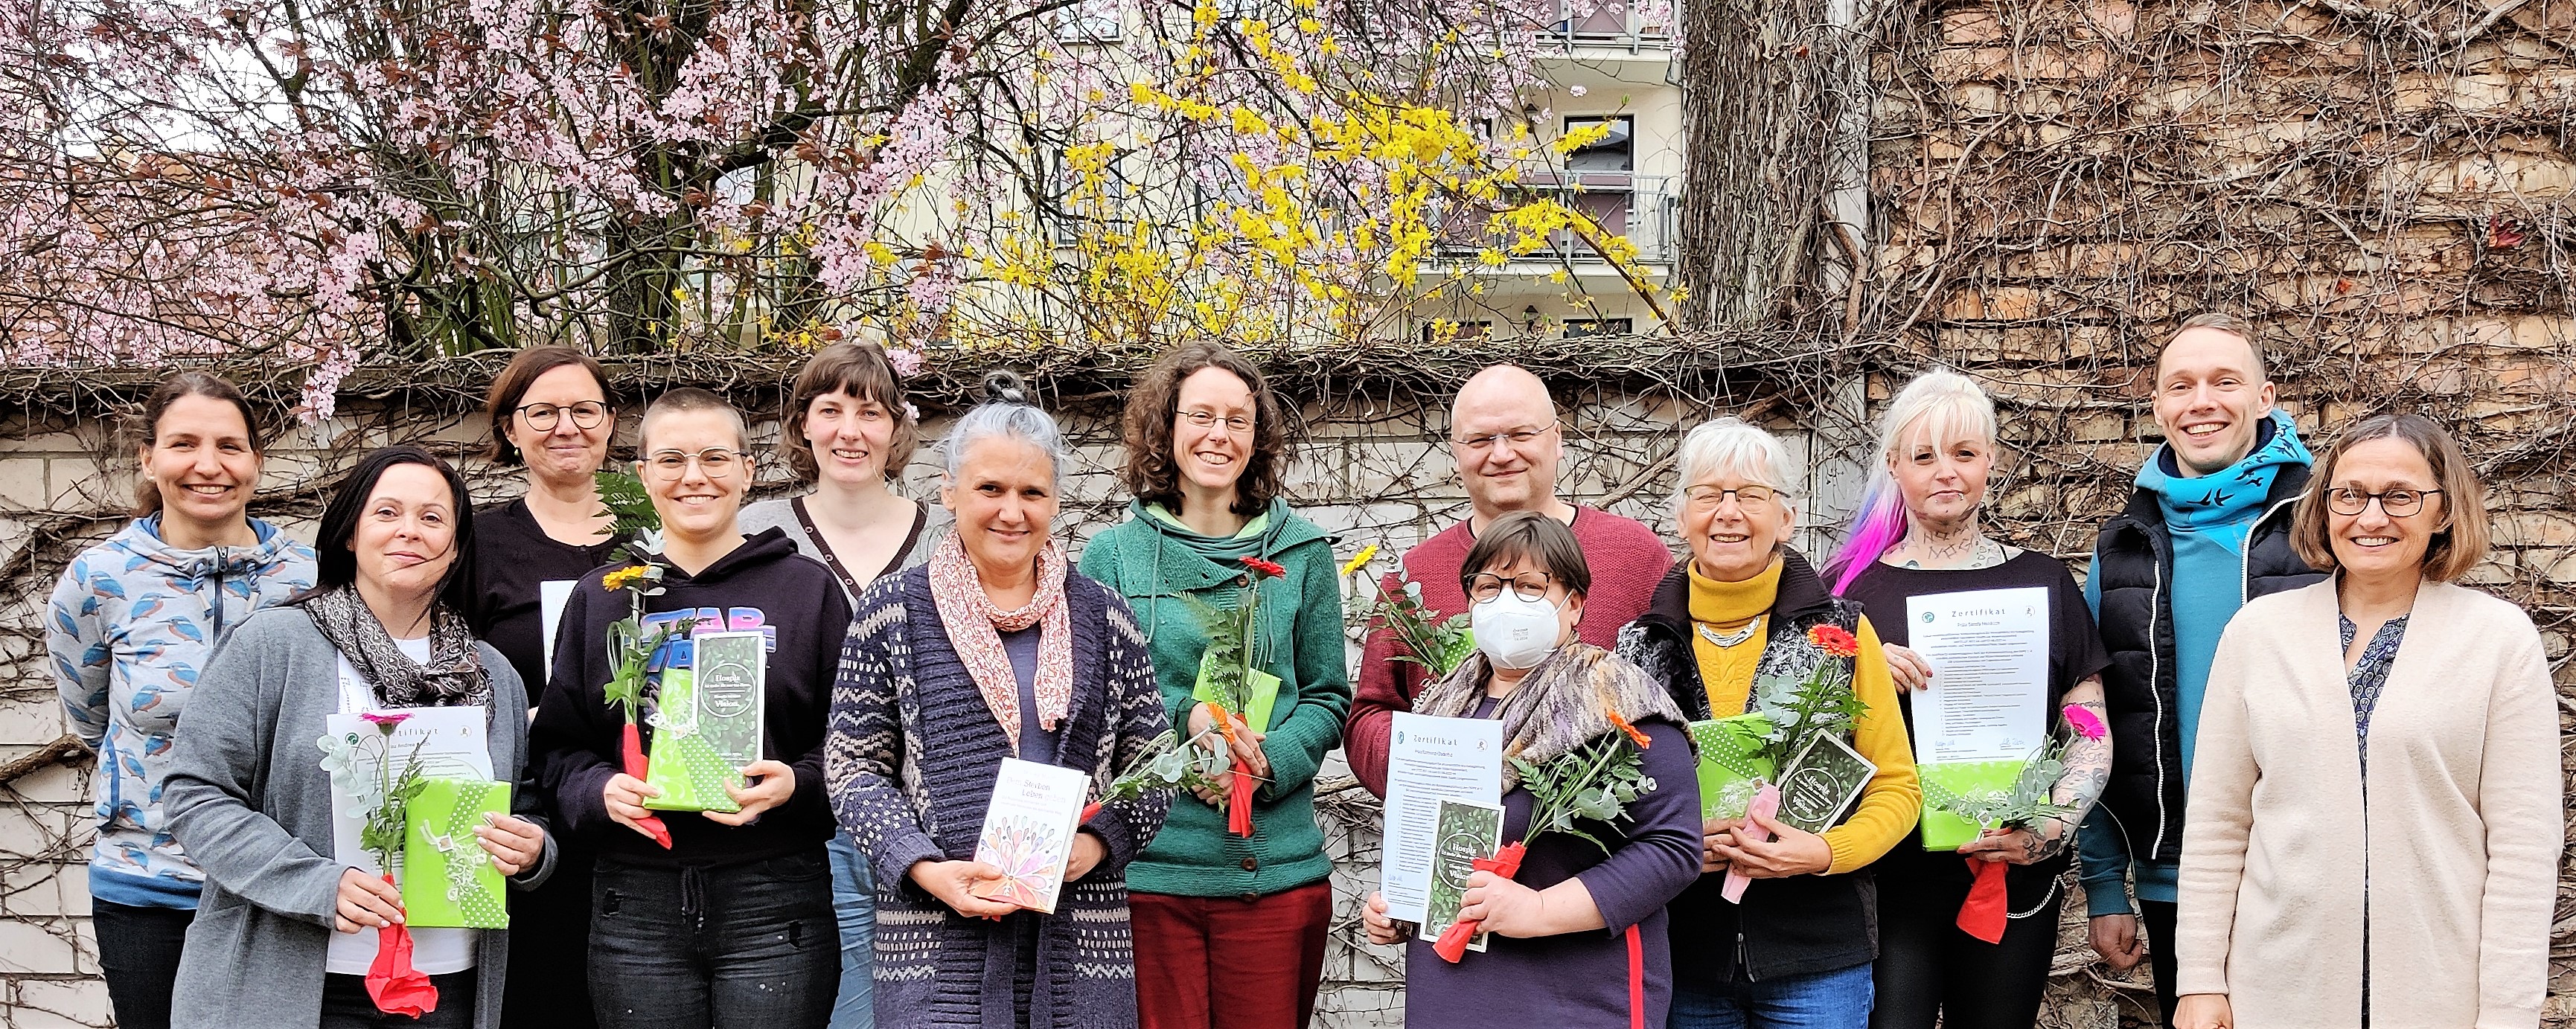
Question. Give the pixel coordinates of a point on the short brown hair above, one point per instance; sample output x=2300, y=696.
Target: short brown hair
x=1526, y=534
x=513, y=383
x=2457, y=546
x=691, y=398
x=2223, y=322
x=1154, y=476
x=147, y=425
x=860, y=370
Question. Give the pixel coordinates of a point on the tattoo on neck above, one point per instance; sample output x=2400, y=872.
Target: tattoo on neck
x=1960, y=549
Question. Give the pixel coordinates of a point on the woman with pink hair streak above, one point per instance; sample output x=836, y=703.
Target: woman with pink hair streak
x=1918, y=533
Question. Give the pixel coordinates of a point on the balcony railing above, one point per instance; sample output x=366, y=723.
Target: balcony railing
x=1615, y=23
x=1641, y=208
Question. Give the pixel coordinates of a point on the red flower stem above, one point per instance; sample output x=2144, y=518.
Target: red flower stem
x=1453, y=941
x=630, y=749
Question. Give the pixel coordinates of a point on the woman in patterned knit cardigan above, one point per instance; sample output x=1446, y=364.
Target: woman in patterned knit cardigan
x=994, y=649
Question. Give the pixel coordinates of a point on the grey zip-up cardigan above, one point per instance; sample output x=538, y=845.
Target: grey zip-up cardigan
x=248, y=799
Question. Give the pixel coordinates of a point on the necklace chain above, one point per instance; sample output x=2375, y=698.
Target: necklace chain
x=1729, y=639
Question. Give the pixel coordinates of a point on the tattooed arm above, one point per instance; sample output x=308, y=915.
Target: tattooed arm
x=2088, y=768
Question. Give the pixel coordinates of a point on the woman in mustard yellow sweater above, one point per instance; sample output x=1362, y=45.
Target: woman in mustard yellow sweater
x=1796, y=952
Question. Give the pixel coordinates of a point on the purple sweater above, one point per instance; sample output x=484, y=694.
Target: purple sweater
x=1579, y=979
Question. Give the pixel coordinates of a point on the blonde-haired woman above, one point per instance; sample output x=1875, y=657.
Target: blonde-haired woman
x=1918, y=533
x=2401, y=873
x=1797, y=950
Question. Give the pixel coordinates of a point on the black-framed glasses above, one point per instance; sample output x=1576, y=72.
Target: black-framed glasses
x=1484, y=586
x=718, y=463
x=1517, y=437
x=1234, y=423
x=585, y=415
x=1748, y=498
x=2396, y=503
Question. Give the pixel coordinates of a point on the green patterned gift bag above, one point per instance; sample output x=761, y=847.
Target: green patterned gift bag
x=685, y=765
x=1732, y=765
x=448, y=881
x=707, y=722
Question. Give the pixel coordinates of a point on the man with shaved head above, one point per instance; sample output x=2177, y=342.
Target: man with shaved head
x=1505, y=435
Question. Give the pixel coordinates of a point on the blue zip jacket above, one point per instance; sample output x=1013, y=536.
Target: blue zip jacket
x=132, y=621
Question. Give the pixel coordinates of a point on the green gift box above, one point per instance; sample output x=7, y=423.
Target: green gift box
x=1265, y=693
x=1945, y=831
x=1732, y=766
x=707, y=722
x=448, y=881
x=685, y=765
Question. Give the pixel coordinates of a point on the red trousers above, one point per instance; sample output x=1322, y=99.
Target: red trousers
x=1222, y=962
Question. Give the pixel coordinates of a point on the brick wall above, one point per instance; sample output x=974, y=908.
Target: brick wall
x=1374, y=471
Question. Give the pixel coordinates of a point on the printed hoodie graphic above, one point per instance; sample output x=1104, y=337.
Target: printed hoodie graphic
x=132, y=621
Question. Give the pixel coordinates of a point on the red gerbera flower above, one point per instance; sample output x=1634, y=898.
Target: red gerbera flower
x=1261, y=568
x=1833, y=639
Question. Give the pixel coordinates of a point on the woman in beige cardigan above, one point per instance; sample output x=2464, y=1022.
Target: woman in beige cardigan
x=2373, y=829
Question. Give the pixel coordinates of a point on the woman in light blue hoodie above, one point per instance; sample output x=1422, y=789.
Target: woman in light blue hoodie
x=132, y=622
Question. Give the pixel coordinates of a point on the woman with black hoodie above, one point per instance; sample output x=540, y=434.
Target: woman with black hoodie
x=727, y=920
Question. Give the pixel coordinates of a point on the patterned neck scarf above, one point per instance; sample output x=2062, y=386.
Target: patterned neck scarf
x=1564, y=703
x=454, y=676
x=975, y=629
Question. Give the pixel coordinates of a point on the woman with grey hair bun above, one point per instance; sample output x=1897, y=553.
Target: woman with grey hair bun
x=996, y=648
x=1796, y=950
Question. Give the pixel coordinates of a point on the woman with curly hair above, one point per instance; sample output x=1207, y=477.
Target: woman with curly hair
x=1206, y=447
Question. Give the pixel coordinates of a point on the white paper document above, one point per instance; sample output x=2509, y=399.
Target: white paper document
x=550, y=607
x=449, y=742
x=1028, y=831
x=1989, y=656
x=1429, y=760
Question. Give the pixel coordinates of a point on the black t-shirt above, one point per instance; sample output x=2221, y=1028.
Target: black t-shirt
x=513, y=559
x=2074, y=653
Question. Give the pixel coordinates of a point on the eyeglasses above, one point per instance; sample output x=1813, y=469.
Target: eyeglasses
x=668, y=465
x=586, y=415
x=1484, y=586
x=1518, y=437
x=1234, y=423
x=1747, y=498
x=2396, y=503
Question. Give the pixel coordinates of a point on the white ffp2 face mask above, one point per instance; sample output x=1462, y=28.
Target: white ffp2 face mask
x=1513, y=632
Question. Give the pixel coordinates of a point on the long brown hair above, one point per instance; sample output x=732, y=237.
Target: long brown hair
x=1152, y=474
x=147, y=497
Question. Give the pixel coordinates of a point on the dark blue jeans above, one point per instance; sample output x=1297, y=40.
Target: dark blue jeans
x=748, y=946
x=138, y=951
x=1839, y=999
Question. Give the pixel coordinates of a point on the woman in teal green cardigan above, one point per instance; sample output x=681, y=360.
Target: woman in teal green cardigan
x=1219, y=917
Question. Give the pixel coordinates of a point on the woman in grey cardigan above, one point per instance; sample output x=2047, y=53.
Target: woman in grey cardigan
x=994, y=649
x=289, y=926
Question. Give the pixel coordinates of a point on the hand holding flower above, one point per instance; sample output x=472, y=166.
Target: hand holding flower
x=624, y=796
x=1790, y=851
x=367, y=902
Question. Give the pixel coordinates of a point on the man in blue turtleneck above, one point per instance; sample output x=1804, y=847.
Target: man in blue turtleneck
x=2207, y=529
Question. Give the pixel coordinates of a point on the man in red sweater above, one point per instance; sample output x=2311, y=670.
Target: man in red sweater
x=1504, y=432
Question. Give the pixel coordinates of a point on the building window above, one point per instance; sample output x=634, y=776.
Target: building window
x=1468, y=332
x=1616, y=151
x=1579, y=328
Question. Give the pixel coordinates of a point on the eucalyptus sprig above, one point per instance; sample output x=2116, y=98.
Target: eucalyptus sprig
x=1596, y=781
x=1166, y=765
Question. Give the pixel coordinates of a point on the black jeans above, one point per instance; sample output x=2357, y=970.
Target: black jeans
x=748, y=946
x=138, y=951
x=549, y=985
x=1930, y=970
x=2158, y=917
x=345, y=1004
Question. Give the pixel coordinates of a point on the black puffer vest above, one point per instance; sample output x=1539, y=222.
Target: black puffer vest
x=1795, y=926
x=2145, y=793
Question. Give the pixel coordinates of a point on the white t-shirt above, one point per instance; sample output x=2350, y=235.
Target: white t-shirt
x=433, y=951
